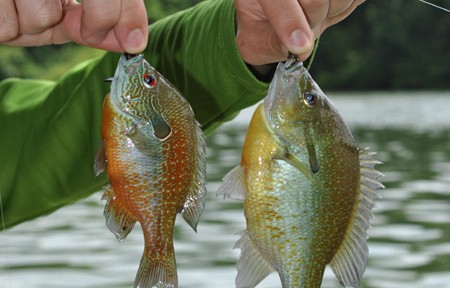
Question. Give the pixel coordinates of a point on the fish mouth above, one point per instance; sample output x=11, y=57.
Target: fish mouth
x=129, y=56
x=293, y=65
x=130, y=62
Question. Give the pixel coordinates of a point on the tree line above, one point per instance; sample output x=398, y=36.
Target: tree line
x=383, y=45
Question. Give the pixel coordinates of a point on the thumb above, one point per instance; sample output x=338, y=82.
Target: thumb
x=291, y=25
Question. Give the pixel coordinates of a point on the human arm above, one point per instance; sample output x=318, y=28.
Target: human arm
x=116, y=25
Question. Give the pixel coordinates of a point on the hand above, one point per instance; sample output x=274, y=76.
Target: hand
x=116, y=25
x=267, y=30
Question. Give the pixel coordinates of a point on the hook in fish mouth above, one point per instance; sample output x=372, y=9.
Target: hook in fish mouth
x=292, y=63
x=128, y=56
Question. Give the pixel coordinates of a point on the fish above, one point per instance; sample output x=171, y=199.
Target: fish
x=154, y=153
x=308, y=191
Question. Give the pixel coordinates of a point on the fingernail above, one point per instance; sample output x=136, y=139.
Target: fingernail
x=299, y=42
x=135, y=41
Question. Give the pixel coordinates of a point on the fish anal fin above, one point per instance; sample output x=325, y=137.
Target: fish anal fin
x=349, y=262
x=161, y=273
x=252, y=266
x=100, y=159
x=233, y=185
x=195, y=200
x=193, y=208
x=118, y=220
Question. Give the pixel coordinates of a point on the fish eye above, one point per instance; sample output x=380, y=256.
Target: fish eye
x=309, y=98
x=149, y=80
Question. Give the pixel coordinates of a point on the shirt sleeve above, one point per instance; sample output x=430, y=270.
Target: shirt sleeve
x=50, y=131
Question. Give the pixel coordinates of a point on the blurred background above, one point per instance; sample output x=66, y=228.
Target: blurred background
x=387, y=70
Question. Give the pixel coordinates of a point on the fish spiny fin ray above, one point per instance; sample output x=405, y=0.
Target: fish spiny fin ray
x=118, y=220
x=160, y=273
x=100, y=159
x=195, y=201
x=233, y=185
x=350, y=260
x=252, y=266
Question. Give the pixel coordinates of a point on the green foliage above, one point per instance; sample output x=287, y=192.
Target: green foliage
x=384, y=44
x=158, y=9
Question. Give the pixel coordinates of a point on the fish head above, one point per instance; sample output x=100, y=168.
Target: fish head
x=301, y=116
x=134, y=84
x=136, y=90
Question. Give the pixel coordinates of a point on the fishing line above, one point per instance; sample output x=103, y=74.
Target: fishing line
x=313, y=54
x=436, y=6
x=4, y=242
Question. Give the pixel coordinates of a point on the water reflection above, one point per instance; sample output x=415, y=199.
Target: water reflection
x=409, y=244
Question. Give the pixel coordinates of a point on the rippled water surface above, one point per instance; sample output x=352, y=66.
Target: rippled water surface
x=409, y=242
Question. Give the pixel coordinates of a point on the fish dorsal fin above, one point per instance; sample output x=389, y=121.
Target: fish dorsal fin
x=100, y=159
x=118, y=220
x=195, y=201
x=349, y=262
x=252, y=266
x=233, y=185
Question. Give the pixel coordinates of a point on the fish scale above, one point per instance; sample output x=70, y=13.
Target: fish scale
x=154, y=154
x=308, y=191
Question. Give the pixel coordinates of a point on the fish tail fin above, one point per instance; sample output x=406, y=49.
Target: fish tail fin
x=157, y=271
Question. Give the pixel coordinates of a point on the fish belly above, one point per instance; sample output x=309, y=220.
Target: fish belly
x=296, y=222
x=281, y=222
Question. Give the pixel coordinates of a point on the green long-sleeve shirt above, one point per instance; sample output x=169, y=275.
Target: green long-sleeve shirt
x=50, y=131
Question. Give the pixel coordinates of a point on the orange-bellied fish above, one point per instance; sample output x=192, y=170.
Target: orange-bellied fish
x=308, y=191
x=154, y=154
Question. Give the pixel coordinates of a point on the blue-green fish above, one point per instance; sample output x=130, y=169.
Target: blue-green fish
x=308, y=190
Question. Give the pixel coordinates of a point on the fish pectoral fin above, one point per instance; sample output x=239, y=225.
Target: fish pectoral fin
x=141, y=134
x=291, y=159
x=118, y=219
x=349, y=262
x=100, y=159
x=233, y=185
x=252, y=266
x=195, y=201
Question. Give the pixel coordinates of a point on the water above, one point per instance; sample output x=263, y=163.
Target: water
x=410, y=239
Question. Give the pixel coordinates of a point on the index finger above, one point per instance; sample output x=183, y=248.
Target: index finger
x=290, y=24
x=99, y=18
